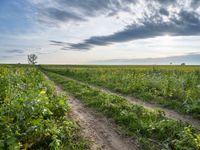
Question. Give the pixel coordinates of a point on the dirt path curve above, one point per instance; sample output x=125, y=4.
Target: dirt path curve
x=169, y=113
x=99, y=130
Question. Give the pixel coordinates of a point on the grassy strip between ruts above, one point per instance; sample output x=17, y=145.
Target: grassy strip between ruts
x=175, y=87
x=134, y=120
x=31, y=115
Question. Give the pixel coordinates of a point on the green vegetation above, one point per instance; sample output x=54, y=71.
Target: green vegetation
x=151, y=127
x=175, y=87
x=31, y=115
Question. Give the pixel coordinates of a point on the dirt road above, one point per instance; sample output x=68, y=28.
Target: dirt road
x=169, y=113
x=100, y=131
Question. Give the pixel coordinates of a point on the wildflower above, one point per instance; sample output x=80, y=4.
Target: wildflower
x=42, y=92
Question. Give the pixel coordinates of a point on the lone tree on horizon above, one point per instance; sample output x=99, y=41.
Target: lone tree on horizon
x=183, y=64
x=32, y=59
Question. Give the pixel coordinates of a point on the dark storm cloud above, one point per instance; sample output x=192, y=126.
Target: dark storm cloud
x=187, y=23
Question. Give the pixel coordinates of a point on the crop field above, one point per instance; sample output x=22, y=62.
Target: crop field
x=99, y=75
x=175, y=87
x=31, y=115
x=35, y=115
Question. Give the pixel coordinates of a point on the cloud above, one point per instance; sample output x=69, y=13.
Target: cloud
x=58, y=43
x=183, y=23
x=168, y=2
x=7, y=54
x=163, y=11
x=149, y=19
x=190, y=17
x=55, y=12
x=5, y=57
x=54, y=16
x=66, y=46
x=191, y=58
x=52, y=13
x=96, y=7
x=195, y=3
x=14, y=51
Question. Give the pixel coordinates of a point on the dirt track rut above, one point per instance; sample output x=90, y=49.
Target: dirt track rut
x=98, y=129
x=169, y=113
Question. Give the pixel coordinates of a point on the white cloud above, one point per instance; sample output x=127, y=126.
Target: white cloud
x=99, y=18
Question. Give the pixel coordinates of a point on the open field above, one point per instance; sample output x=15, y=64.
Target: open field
x=35, y=115
x=175, y=87
x=99, y=75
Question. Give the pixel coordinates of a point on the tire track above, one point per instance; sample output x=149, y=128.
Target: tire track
x=169, y=113
x=98, y=129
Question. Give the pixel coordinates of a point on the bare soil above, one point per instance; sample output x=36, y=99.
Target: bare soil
x=100, y=131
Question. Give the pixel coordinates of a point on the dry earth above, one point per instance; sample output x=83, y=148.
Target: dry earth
x=102, y=133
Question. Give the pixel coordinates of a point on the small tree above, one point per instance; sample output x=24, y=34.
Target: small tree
x=183, y=64
x=32, y=59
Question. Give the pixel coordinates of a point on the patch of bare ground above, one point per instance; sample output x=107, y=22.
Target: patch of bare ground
x=102, y=133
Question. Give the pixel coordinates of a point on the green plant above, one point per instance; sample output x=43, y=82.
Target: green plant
x=31, y=115
x=146, y=125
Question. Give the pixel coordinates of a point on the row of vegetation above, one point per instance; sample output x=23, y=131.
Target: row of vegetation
x=31, y=115
x=175, y=87
x=150, y=127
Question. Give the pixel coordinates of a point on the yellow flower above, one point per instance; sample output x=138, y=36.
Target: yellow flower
x=42, y=92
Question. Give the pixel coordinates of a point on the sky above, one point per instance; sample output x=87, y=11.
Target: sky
x=100, y=31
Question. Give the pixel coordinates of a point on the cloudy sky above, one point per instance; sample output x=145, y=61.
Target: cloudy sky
x=91, y=31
